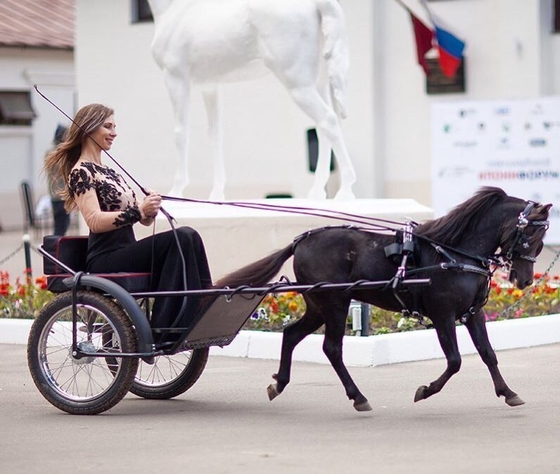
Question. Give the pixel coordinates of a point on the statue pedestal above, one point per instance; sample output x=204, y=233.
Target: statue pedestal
x=235, y=237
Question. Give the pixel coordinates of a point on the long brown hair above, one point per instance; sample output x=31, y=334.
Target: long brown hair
x=66, y=154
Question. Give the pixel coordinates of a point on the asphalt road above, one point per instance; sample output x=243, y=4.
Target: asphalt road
x=225, y=423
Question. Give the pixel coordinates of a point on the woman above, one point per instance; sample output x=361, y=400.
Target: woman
x=110, y=209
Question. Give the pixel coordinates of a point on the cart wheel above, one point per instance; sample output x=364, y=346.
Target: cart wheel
x=169, y=376
x=89, y=385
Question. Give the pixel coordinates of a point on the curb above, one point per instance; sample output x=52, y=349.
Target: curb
x=362, y=351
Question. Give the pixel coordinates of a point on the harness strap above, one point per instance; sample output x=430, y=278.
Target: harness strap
x=439, y=249
x=465, y=267
x=407, y=249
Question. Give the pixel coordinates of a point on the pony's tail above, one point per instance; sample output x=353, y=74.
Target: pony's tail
x=335, y=51
x=257, y=273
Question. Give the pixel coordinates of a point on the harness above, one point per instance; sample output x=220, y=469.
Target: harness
x=405, y=247
x=522, y=223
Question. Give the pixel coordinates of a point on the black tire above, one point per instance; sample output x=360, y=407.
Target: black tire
x=89, y=385
x=169, y=376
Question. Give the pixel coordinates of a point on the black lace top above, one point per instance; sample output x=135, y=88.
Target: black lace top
x=113, y=194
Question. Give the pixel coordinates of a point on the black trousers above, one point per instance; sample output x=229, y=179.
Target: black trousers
x=160, y=254
x=61, y=218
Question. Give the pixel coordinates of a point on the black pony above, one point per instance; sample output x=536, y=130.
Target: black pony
x=457, y=252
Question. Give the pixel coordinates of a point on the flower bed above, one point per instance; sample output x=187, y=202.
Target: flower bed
x=504, y=302
x=26, y=298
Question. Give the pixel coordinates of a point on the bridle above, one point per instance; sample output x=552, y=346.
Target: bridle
x=520, y=238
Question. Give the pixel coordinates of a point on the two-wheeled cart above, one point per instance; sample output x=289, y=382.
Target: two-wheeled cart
x=94, y=343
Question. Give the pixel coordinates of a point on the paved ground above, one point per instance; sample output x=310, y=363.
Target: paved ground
x=225, y=424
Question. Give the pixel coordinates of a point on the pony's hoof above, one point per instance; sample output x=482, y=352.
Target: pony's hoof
x=514, y=401
x=272, y=391
x=420, y=393
x=363, y=406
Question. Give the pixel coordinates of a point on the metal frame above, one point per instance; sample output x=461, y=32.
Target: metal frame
x=243, y=297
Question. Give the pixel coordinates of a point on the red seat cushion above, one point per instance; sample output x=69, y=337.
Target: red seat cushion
x=72, y=252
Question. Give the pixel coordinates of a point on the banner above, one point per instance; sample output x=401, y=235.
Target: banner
x=514, y=145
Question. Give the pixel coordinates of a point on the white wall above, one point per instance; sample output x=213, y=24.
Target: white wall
x=503, y=60
x=265, y=133
x=510, y=54
x=22, y=149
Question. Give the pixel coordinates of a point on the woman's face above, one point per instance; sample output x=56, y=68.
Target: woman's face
x=106, y=133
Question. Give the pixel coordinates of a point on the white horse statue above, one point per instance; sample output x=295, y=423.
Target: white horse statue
x=302, y=42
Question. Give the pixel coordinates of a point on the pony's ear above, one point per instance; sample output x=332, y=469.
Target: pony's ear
x=542, y=209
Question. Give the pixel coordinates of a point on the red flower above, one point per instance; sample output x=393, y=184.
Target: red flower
x=41, y=282
x=274, y=306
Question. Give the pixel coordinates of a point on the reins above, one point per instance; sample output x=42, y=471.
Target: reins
x=375, y=223
x=501, y=260
x=316, y=212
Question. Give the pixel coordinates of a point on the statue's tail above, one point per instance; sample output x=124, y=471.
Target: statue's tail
x=335, y=50
x=257, y=273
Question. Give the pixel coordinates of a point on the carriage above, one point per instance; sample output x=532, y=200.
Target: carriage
x=94, y=342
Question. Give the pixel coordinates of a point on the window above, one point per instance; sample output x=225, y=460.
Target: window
x=141, y=11
x=15, y=108
x=557, y=16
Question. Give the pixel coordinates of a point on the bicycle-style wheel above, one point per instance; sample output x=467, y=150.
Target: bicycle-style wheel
x=169, y=375
x=88, y=385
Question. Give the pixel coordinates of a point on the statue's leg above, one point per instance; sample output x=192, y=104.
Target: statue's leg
x=328, y=126
x=211, y=97
x=347, y=172
x=296, y=61
x=178, y=89
x=323, y=168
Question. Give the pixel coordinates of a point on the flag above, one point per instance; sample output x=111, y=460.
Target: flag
x=450, y=51
x=449, y=46
x=424, y=37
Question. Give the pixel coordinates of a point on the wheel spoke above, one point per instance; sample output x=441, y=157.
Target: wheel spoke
x=84, y=384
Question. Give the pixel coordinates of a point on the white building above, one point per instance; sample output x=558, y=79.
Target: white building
x=36, y=47
x=511, y=52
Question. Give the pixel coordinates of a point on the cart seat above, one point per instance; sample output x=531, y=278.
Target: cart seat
x=72, y=251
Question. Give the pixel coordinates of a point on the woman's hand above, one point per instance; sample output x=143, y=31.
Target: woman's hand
x=150, y=206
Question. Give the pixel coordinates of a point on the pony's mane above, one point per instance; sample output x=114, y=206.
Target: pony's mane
x=461, y=220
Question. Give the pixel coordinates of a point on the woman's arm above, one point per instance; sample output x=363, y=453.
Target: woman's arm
x=83, y=189
x=104, y=221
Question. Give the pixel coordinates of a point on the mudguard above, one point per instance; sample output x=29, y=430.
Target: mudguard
x=129, y=304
